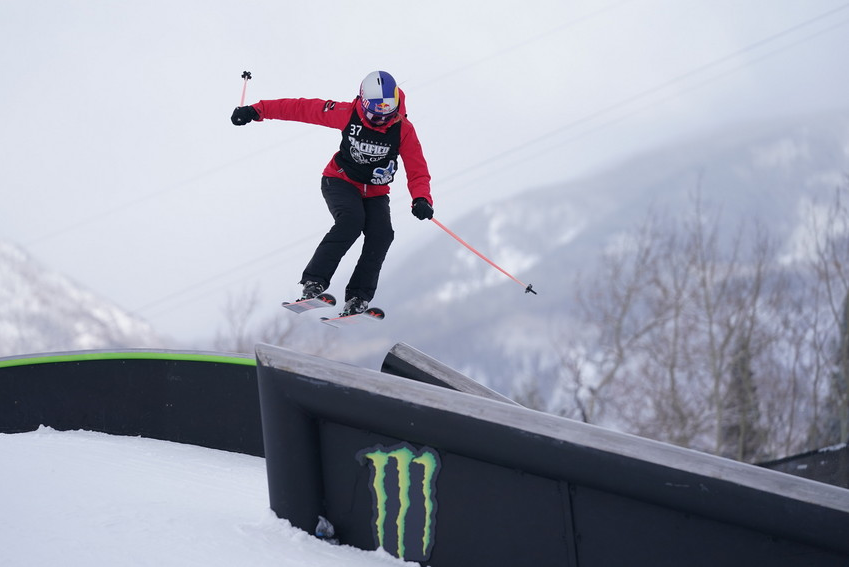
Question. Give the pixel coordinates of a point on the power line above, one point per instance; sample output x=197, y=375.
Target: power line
x=169, y=189
x=644, y=107
x=533, y=39
x=197, y=285
x=653, y=90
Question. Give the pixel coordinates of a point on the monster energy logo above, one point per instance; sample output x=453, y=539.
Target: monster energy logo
x=403, y=488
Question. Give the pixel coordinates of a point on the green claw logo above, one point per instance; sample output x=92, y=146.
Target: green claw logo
x=403, y=488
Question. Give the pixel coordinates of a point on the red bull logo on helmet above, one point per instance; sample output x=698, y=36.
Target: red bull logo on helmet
x=379, y=93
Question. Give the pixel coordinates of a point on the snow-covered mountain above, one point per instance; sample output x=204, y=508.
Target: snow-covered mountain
x=43, y=311
x=450, y=304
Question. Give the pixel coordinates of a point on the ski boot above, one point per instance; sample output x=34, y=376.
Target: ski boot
x=354, y=306
x=311, y=290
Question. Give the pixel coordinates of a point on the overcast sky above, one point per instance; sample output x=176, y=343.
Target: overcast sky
x=120, y=167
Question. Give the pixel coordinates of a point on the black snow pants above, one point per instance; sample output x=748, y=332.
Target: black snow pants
x=353, y=215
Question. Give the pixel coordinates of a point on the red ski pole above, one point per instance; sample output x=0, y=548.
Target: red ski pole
x=246, y=76
x=528, y=288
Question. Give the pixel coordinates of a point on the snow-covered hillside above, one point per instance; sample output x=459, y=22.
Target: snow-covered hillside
x=450, y=304
x=43, y=311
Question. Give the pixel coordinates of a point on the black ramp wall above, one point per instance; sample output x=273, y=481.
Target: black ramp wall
x=199, y=398
x=450, y=478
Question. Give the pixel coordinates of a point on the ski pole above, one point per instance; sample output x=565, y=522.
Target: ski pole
x=528, y=288
x=246, y=76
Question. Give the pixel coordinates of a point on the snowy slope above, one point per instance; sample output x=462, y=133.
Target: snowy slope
x=83, y=499
x=43, y=311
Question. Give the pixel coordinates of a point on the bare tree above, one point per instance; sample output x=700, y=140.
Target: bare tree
x=840, y=378
x=238, y=312
x=742, y=435
x=612, y=301
x=829, y=235
x=674, y=326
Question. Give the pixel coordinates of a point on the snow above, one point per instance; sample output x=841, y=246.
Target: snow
x=82, y=498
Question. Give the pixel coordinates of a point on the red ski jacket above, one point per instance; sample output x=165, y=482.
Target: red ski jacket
x=339, y=115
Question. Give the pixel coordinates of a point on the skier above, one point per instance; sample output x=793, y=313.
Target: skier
x=355, y=184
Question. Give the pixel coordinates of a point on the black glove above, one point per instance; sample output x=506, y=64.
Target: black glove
x=244, y=114
x=422, y=209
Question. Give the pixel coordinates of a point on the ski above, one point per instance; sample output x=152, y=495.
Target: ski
x=322, y=300
x=371, y=314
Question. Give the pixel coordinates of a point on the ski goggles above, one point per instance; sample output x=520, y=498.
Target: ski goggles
x=379, y=111
x=380, y=119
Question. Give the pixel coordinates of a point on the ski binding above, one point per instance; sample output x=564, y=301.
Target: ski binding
x=322, y=300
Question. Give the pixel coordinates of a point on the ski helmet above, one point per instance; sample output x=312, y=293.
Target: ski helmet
x=379, y=97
